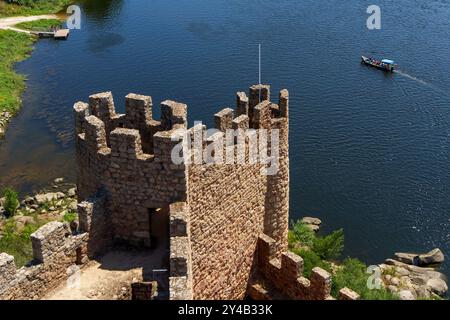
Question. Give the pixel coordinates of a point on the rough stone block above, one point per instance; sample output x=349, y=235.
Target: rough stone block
x=173, y=115
x=102, y=105
x=223, y=119
x=7, y=269
x=47, y=240
x=241, y=103
x=348, y=294
x=138, y=110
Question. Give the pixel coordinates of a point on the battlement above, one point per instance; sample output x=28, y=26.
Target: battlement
x=136, y=135
x=285, y=274
x=54, y=251
x=129, y=135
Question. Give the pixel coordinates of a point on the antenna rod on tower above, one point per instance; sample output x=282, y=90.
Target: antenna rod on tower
x=259, y=69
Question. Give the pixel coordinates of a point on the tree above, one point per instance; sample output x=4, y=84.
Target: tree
x=11, y=202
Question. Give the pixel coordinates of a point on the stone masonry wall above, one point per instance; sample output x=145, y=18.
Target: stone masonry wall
x=285, y=273
x=54, y=252
x=128, y=157
x=229, y=204
x=180, y=279
x=283, y=277
x=95, y=220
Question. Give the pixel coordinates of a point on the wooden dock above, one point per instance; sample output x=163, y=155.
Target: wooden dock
x=61, y=34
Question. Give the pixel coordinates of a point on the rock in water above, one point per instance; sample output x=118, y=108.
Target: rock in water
x=313, y=227
x=437, y=286
x=71, y=192
x=311, y=220
x=435, y=256
x=312, y=223
x=405, y=257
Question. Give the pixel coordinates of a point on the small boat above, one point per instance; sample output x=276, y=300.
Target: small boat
x=385, y=64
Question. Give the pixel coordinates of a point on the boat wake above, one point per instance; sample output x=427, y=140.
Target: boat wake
x=423, y=82
x=412, y=77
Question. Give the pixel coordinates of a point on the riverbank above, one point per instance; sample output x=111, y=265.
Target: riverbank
x=33, y=8
x=16, y=44
x=14, y=47
x=407, y=276
x=16, y=40
x=57, y=203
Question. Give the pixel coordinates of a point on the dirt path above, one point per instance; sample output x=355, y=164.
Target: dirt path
x=108, y=278
x=10, y=22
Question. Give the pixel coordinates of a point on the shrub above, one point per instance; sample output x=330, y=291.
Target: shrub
x=301, y=234
x=326, y=247
x=353, y=275
x=312, y=260
x=330, y=246
x=11, y=201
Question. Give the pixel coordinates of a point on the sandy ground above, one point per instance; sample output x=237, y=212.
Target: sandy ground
x=10, y=22
x=109, y=277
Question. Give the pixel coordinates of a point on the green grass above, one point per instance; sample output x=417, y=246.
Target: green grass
x=70, y=216
x=353, y=274
x=40, y=25
x=18, y=244
x=32, y=7
x=14, y=47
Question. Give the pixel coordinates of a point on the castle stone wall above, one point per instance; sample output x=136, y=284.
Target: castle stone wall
x=54, y=253
x=128, y=156
x=230, y=204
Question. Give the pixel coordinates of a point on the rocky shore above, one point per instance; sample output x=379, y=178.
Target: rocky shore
x=412, y=276
x=5, y=118
x=57, y=204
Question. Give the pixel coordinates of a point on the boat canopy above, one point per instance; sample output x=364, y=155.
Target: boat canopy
x=387, y=61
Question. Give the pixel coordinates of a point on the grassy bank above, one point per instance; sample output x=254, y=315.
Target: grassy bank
x=40, y=25
x=14, y=47
x=31, y=7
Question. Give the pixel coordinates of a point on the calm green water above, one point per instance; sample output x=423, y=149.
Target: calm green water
x=369, y=151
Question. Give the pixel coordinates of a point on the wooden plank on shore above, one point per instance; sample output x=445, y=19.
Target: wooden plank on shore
x=62, y=34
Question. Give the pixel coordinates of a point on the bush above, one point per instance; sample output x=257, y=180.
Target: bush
x=353, y=275
x=301, y=234
x=330, y=246
x=11, y=202
x=327, y=247
x=312, y=260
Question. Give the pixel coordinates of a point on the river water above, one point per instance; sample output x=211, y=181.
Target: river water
x=369, y=150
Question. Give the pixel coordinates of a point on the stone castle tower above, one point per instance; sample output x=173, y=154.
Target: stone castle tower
x=224, y=226
x=216, y=212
